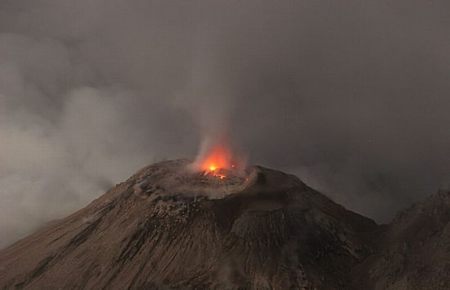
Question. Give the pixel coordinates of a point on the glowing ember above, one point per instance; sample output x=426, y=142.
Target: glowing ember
x=216, y=161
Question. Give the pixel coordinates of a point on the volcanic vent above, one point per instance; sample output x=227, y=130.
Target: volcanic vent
x=169, y=227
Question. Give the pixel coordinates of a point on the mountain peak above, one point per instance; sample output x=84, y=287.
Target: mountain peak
x=172, y=227
x=167, y=226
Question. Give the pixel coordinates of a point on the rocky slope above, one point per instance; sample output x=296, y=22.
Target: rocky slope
x=413, y=252
x=167, y=227
x=170, y=228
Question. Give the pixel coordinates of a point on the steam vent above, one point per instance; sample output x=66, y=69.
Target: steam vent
x=171, y=227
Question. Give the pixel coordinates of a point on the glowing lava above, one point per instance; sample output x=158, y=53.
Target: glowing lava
x=216, y=160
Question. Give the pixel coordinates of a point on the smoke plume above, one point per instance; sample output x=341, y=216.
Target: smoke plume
x=351, y=96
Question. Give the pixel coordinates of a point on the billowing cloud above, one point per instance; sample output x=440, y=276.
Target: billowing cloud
x=353, y=97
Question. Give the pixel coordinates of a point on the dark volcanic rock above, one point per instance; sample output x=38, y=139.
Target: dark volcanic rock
x=170, y=228
x=414, y=250
x=167, y=227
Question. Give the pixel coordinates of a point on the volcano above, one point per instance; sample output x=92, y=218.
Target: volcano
x=169, y=227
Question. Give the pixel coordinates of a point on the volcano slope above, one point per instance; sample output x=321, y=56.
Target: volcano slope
x=413, y=252
x=167, y=227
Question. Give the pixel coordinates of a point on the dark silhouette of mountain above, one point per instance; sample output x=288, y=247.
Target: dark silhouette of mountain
x=168, y=227
x=413, y=252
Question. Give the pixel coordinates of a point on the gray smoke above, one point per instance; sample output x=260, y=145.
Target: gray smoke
x=351, y=96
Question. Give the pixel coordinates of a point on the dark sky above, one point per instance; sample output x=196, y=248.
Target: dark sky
x=352, y=96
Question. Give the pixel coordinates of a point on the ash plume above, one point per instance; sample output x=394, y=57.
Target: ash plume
x=352, y=97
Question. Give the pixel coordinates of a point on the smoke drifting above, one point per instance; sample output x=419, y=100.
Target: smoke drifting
x=353, y=97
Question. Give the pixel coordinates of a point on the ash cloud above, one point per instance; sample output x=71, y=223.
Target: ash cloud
x=353, y=97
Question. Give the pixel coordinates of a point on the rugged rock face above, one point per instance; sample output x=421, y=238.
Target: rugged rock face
x=169, y=228
x=414, y=250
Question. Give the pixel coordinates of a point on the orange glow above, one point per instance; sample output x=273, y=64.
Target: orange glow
x=216, y=161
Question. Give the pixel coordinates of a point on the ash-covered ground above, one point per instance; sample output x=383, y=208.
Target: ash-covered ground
x=180, y=178
x=169, y=227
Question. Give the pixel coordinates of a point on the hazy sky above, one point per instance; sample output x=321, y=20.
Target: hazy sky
x=352, y=96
